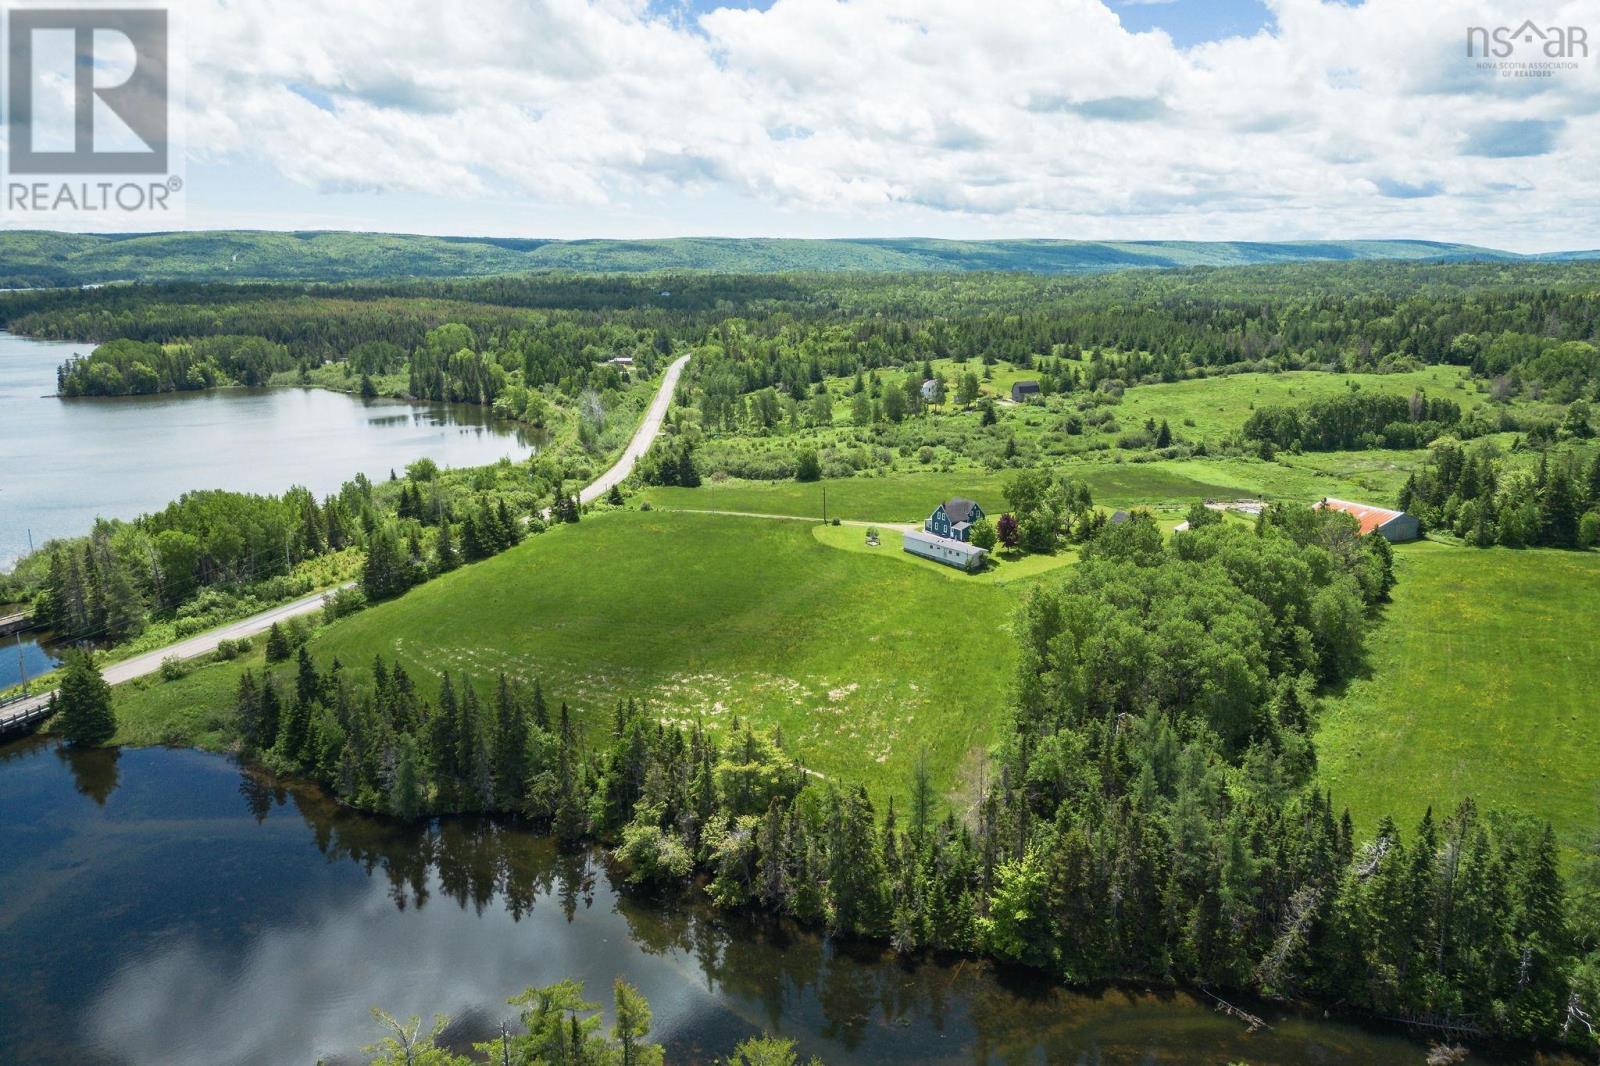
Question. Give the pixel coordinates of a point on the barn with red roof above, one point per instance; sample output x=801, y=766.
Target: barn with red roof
x=1393, y=526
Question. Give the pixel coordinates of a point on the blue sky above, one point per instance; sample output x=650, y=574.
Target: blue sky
x=1190, y=119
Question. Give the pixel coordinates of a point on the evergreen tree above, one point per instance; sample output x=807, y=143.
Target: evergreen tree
x=511, y=755
x=405, y=790
x=631, y=1028
x=277, y=644
x=247, y=714
x=571, y=821
x=856, y=878
x=386, y=572
x=83, y=703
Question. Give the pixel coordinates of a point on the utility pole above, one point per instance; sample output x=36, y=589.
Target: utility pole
x=30, y=540
x=824, y=505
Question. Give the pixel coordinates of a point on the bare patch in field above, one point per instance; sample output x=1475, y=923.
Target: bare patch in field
x=822, y=719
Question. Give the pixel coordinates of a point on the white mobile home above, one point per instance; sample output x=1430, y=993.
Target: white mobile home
x=950, y=552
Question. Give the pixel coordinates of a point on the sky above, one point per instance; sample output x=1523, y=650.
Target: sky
x=1123, y=119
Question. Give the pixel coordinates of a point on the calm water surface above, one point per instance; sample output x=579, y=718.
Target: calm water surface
x=164, y=907
x=63, y=462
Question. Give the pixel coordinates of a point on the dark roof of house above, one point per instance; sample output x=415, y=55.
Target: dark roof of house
x=1025, y=386
x=1119, y=517
x=958, y=509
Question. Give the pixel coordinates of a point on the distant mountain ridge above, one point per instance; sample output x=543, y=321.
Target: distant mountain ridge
x=43, y=258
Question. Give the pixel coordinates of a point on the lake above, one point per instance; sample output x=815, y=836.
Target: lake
x=64, y=462
x=164, y=906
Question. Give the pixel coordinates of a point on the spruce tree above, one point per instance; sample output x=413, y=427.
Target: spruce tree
x=511, y=759
x=446, y=557
x=571, y=822
x=247, y=713
x=405, y=789
x=271, y=713
x=83, y=703
x=277, y=644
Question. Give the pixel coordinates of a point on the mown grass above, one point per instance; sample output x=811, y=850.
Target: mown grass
x=1484, y=682
x=1004, y=567
x=701, y=618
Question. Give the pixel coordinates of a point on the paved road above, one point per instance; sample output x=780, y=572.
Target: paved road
x=643, y=437
x=150, y=662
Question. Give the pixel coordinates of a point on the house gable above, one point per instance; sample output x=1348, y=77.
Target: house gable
x=954, y=518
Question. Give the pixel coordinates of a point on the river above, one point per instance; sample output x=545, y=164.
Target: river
x=165, y=907
x=65, y=462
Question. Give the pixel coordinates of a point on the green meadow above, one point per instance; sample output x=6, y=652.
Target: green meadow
x=1374, y=476
x=1483, y=682
x=1209, y=408
x=860, y=662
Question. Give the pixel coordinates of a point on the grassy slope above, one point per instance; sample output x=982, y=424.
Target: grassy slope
x=858, y=660
x=1484, y=682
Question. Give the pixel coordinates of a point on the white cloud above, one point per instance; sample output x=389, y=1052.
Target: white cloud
x=1030, y=117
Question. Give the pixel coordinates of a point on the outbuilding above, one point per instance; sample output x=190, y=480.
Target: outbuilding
x=1023, y=391
x=956, y=553
x=1392, y=526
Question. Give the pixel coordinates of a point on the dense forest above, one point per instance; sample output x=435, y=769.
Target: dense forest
x=1151, y=813
x=1528, y=327
x=41, y=258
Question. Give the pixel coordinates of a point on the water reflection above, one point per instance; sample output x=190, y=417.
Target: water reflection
x=94, y=772
x=164, y=907
x=22, y=659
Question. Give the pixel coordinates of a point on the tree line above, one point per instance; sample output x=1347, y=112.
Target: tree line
x=1151, y=811
x=1478, y=495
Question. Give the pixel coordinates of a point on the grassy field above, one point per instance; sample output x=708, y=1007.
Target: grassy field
x=1375, y=476
x=702, y=617
x=910, y=497
x=1484, y=682
x=1004, y=567
x=1220, y=405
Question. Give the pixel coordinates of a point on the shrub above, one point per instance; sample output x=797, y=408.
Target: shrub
x=341, y=602
x=231, y=649
x=1589, y=530
x=808, y=467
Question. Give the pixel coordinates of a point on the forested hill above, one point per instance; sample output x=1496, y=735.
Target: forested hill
x=38, y=258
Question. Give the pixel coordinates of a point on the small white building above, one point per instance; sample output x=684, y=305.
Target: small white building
x=930, y=391
x=950, y=552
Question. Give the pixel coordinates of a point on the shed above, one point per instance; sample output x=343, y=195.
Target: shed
x=1392, y=526
x=1021, y=391
x=956, y=553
